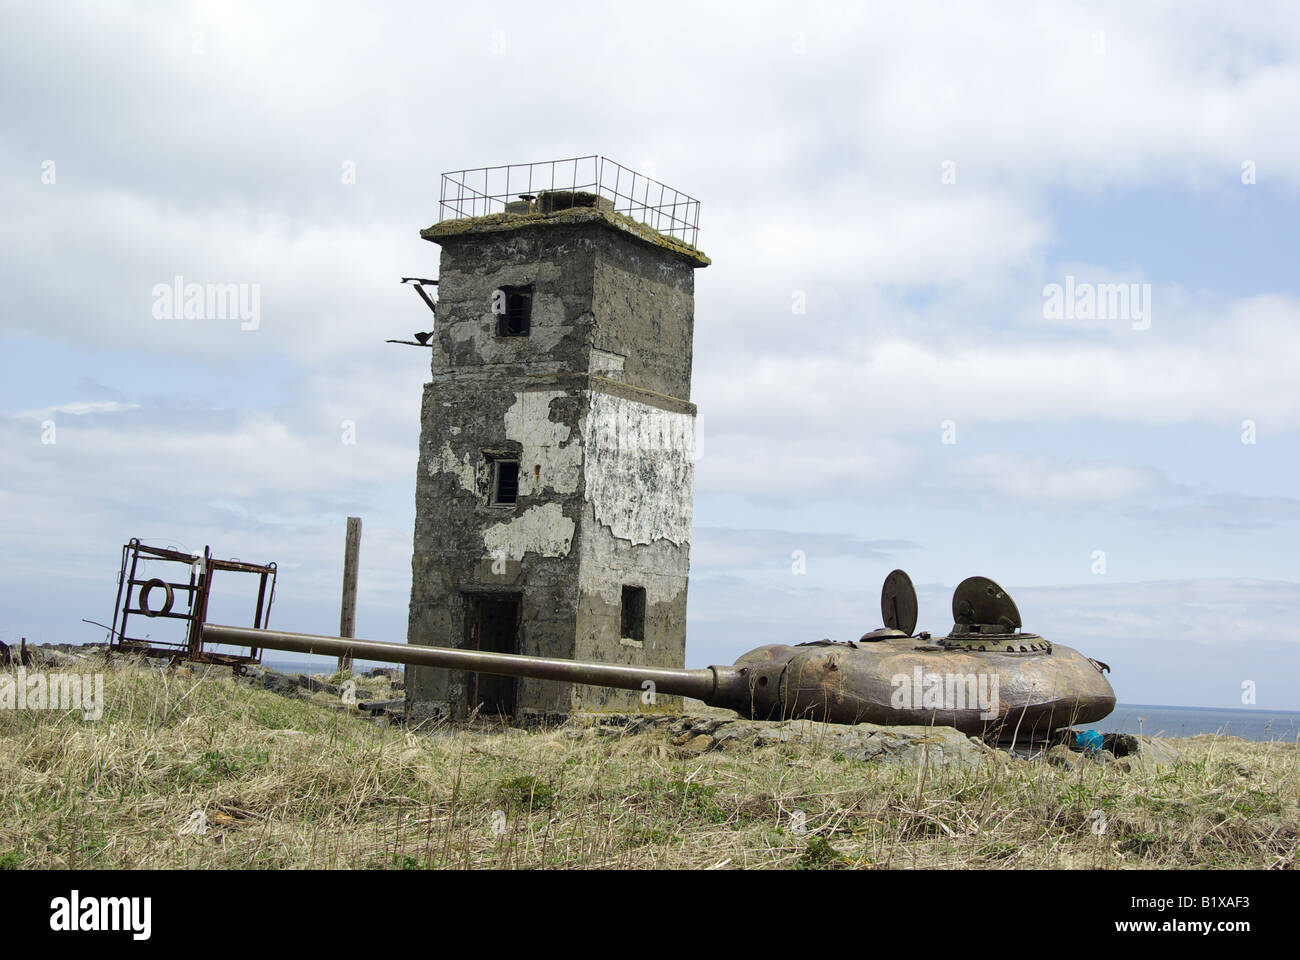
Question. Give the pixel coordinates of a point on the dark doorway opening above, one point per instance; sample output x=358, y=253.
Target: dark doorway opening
x=493, y=628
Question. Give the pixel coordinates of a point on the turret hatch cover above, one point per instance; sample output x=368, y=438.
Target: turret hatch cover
x=981, y=601
x=898, y=602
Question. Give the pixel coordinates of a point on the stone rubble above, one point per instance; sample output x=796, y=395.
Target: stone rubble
x=905, y=745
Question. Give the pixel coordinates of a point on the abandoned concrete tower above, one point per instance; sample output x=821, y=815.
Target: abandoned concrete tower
x=554, y=488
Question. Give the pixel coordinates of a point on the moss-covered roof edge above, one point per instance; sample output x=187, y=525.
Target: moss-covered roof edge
x=501, y=222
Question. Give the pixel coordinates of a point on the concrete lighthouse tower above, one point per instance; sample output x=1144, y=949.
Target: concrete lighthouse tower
x=554, y=488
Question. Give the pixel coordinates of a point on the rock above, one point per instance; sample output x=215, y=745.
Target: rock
x=637, y=724
x=316, y=685
x=1152, y=754
x=909, y=745
x=1142, y=753
x=694, y=726
x=1062, y=756
x=380, y=706
x=700, y=744
x=275, y=682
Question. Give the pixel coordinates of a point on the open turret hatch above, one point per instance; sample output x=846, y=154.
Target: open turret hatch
x=985, y=618
x=897, y=608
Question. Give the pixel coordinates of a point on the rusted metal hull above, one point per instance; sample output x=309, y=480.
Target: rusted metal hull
x=889, y=681
x=901, y=681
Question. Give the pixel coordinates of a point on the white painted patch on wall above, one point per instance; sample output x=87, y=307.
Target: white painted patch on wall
x=541, y=529
x=462, y=468
x=548, y=458
x=639, y=469
x=607, y=364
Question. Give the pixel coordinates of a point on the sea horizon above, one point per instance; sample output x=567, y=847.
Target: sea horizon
x=1165, y=720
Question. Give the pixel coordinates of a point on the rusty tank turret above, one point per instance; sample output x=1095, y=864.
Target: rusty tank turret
x=987, y=677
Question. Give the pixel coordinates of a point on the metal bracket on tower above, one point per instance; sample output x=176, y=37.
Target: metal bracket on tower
x=421, y=339
x=419, y=288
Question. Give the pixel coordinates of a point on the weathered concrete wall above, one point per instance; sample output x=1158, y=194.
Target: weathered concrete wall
x=639, y=474
x=559, y=262
x=644, y=309
x=586, y=404
x=661, y=569
x=462, y=544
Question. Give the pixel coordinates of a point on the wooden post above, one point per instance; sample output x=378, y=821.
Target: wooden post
x=348, y=616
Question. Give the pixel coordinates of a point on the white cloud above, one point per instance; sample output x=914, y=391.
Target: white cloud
x=77, y=408
x=1038, y=479
x=1172, y=373
x=716, y=548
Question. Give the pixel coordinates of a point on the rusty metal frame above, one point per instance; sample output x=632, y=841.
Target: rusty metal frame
x=196, y=590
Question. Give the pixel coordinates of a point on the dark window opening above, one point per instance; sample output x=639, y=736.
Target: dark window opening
x=632, y=616
x=505, y=481
x=514, y=311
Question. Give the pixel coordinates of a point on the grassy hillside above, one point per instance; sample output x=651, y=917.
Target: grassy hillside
x=193, y=770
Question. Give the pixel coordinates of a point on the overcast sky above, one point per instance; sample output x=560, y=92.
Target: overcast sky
x=912, y=176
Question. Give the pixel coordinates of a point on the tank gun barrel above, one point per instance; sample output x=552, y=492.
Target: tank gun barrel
x=886, y=677
x=700, y=684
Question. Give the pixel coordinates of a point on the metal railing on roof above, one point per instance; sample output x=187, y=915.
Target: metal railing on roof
x=592, y=181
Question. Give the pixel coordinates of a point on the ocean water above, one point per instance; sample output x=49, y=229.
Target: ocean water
x=1160, y=721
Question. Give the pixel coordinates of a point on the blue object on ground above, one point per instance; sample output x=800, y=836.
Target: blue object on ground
x=1089, y=741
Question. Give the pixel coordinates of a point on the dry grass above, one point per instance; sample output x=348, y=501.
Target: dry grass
x=287, y=784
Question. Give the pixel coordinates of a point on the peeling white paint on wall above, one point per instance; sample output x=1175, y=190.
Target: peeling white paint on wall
x=541, y=529
x=635, y=463
x=639, y=469
x=606, y=364
x=549, y=459
x=462, y=468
